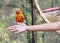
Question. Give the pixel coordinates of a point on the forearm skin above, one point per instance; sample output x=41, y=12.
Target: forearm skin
x=45, y=27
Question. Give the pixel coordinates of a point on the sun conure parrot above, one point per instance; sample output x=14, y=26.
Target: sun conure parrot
x=19, y=17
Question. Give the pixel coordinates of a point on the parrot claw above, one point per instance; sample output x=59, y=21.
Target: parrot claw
x=19, y=23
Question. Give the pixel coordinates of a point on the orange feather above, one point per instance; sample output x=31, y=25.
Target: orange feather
x=19, y=16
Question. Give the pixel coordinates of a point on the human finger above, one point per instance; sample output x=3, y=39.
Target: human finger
x=13, y=30
x=17, y=32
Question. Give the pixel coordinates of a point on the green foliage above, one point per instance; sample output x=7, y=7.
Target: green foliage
x=9, y=19
x=3, y=35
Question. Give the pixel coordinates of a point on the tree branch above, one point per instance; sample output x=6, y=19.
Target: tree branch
x=41, y=13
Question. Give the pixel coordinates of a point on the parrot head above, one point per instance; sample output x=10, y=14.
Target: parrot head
x=18, y=11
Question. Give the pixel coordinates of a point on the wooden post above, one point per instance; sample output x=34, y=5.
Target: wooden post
x=34, y=35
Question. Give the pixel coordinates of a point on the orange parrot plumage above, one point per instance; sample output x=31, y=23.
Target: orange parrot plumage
x=19, y=16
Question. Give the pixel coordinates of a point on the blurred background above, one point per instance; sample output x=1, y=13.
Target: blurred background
x=7, y=18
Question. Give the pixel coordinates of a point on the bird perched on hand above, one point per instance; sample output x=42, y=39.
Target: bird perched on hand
x=19, y=17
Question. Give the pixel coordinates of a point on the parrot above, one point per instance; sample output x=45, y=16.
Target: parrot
x=20, y=20
x=19, y=17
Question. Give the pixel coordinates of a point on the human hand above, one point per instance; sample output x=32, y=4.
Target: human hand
x=18, y=28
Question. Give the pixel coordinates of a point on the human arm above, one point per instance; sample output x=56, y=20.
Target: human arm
x=43, y=27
